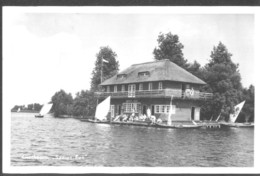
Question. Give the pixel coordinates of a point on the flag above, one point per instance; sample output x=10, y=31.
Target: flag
x=104, y=60
x=233, y=117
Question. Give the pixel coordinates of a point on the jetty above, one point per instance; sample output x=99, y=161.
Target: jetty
x=176, y=124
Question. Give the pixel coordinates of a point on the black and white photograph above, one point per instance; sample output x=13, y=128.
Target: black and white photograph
x=130, y=89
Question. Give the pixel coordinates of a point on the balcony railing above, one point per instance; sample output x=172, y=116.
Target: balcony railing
x=176, y=93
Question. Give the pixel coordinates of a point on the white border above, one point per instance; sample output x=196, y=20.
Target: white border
x=130, y=10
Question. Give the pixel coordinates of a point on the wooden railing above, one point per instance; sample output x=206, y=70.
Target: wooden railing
x=176, y=93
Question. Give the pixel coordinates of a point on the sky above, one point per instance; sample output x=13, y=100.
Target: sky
x=44, y=52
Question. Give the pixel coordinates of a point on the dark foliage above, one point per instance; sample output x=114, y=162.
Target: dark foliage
x=34, y=107
x=169, y=47
x=62, y=103
x=109, y=69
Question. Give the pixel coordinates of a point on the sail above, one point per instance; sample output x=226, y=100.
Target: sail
x=103, y=109
x=45, y=109
x=233, y=117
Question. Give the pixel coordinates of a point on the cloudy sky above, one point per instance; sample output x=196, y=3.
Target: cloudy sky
x=44, y=52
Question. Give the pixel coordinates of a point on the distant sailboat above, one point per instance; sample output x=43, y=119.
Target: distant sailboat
x=45, y=109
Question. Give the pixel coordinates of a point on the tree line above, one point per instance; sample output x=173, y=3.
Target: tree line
x=220, y=73
x=33, y=107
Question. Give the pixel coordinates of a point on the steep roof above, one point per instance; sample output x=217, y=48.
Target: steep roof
x=163, y=70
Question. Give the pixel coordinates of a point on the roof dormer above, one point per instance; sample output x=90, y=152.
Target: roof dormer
x=143, y=73
x=121, y=76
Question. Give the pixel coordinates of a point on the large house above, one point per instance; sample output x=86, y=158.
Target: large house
x=155, y=86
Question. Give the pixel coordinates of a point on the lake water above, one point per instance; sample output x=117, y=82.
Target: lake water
x=70, y=142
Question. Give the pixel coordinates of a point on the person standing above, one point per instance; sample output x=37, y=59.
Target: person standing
x=148, y=113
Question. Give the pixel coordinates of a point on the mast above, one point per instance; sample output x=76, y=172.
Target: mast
x=101, y=70
x=169, y=122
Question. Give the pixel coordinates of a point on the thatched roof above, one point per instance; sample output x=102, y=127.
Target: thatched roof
x=163, y=70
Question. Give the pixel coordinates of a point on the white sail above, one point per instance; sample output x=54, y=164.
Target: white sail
x=233, y=117
x=103, y=109
x=45, y=109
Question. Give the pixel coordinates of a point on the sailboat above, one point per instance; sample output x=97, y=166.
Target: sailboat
x=102, y=111
x=233, y=118
x=45, y=109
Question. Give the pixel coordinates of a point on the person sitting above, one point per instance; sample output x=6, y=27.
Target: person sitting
x=153, y=119
x=125, y=117
x=131, y=118
x=117, y=118
x=159, y=120
x=121, y=118
x=144, y=117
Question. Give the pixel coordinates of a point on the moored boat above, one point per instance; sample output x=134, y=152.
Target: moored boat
x=93, y=120
x=238, y=125
x=186, y=126
x=132, y=123
x=233, y=117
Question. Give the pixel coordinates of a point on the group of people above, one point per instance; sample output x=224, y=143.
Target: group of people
x=133, y=117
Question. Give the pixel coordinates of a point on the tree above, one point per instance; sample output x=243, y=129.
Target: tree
x=196, y=69
x=169, y=47
x=16, y=107
x=34, y=107
x=83, y=103
x=224, y=80
x=62, y=103
x=30, y=107
x=247, y=113
x=109, y=69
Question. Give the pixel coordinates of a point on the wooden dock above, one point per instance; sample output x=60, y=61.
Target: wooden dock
x=209, y=124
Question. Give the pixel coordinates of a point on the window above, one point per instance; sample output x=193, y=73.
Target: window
x=145, y=73
x=131, y=90
x=121, y=76
x=115, y=88
x=131, y=107
x=150, y=86
x=187, y=86
x=164, y=109
x=108, y=88
x=160, y=87
x=112, y=110
x=167, y=109
x=141, y=86
x=157, y=109
x=123, y=88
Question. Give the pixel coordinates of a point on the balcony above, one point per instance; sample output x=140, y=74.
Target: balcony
x=164, y=93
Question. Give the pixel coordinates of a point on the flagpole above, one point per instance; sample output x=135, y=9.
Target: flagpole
x=101, y=79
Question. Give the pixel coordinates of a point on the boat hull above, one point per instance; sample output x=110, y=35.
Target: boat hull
x=237, y=125
x=132, y=123
x=39, y=116
x=94, y=121
x=177, y=126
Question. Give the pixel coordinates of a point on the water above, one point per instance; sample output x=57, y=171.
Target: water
x=70, y=142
